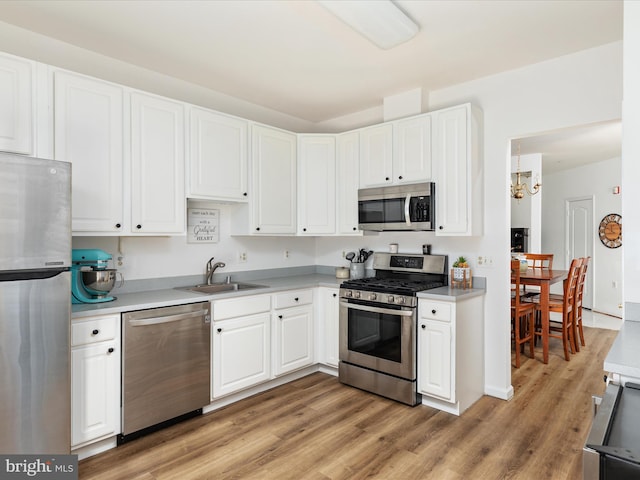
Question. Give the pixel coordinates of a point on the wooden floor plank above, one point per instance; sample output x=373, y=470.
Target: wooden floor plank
x=318, y=429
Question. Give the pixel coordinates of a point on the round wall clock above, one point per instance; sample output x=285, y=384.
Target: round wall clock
x=610, y=230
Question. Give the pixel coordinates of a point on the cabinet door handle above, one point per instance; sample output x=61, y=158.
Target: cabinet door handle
x=219, y=330
x=138, y=226
x=304, y=229
x=257, y=229
x=400, y=177
x=433, y=311
x=296, y=299
x=111, y=350
x=423, y=326
x=245, y=194
x=118, y=225
x=280, y=317
x=95, y=332
x=440, y=227
x=386, y=179
x=335, y=295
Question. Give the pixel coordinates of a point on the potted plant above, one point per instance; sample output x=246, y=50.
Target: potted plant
x=461, y=270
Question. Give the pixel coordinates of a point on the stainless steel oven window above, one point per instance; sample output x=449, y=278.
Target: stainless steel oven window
x=375, y=334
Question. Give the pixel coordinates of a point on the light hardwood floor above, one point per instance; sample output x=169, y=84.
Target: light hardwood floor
x=317, y=428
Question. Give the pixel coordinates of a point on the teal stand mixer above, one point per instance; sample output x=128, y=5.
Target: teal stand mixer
x=91, y=280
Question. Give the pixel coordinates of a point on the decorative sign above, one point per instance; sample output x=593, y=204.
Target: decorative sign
x=203, y=225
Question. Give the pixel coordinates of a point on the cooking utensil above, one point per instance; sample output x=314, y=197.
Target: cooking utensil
x=350, y=256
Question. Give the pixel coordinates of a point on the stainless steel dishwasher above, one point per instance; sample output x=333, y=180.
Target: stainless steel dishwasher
x=166, y=365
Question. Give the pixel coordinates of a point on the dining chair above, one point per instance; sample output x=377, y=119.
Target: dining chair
x=564, y=304
x=536, y=260
x=522, y=316
x=582, y=278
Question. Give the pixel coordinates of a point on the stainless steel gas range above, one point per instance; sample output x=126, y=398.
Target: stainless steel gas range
x=378, y=326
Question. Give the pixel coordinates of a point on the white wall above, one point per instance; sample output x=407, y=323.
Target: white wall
x=631, y=154
x=577, y=89
x=153, y=257
x=595, y=180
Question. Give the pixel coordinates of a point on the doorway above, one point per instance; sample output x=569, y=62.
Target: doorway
x=578, y=164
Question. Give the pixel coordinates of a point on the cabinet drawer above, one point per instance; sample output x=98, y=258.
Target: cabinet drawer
x=292, y=298
x=94, y=330
x=435, y=310
x=241, y=306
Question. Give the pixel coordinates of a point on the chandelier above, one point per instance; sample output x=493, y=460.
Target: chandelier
x=517, y=190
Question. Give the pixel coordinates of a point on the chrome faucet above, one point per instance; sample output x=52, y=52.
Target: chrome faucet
x=211, y=267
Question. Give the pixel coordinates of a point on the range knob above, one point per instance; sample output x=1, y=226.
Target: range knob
x=348, y=293
x=372, y=296
x=400, y=300
x=390, y=299
x=356, y=294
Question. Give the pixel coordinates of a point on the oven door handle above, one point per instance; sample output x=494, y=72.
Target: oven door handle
x=367, y=308
x=407, y=214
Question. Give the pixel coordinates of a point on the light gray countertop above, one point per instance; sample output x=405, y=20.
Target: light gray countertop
x=451, y=294
x=164, y=297
x=624, y=356
x=171, y=296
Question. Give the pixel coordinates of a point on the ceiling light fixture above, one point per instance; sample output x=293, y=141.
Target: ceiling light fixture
x=517, y=190
x=380, y=21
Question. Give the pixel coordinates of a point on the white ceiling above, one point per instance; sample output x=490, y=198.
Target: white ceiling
x=570, y=148
x=295, y=57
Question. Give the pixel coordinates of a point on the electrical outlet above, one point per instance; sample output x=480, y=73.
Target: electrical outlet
x=484, y=261
x=286, y=254
x=242, y=257
x=120, y=261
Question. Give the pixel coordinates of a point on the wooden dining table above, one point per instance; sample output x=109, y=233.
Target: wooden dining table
x=544, y=278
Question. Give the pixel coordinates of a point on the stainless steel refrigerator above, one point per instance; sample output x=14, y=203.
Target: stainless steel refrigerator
x=35, y=305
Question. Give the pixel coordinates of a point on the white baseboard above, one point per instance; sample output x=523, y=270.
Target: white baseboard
x=501, y=393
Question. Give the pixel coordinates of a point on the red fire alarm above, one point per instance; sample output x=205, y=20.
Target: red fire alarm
x=616, y=190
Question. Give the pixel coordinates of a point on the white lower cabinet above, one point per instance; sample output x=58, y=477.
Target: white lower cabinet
x=241, y=344
x=253, y=342
x=451, y=353
x=292, y=331
x=95, y=379
x=328, y=308
x=434, y=358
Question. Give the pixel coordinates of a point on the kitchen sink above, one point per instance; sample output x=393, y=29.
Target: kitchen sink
x=222, y=287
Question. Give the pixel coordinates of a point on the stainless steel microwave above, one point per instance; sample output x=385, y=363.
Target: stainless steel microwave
x=397, y=208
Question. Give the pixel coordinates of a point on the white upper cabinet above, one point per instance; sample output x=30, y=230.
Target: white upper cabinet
x=157, y=165
x=218, y=159
x=316, y=184
x=88, y=132
x=457, y=171
x=412, y=149
x=376, y=156
x=17, y=84
x=347, y=182
x=128, y=170
x=273, y=198
x=396, y=152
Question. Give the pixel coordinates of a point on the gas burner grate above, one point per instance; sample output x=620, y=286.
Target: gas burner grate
x=390, y=285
